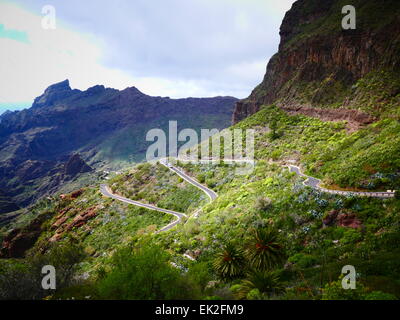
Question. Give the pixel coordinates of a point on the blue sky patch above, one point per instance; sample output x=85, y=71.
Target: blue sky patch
x=13, y=106
x=16, y=35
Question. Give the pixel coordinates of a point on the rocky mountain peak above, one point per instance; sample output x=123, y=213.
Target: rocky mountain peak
x=76, y=165
x=96, y=89
x=5, y=113
x=303, y=12
x=132, y=91
x=36, y=143
x=59, y=87
x=53, y=94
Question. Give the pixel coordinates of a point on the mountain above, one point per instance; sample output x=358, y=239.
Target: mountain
x=104, y=127
x=342, y=77
x=314, y=202
x=6, y=204
x=320, y=66
x=5, y=113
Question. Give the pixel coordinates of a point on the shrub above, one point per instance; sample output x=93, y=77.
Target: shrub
x=201, y=274
x=335, y=291
x=276, y=154
x=259, y=285
x=143, y=273
x=201, y=178
x=379, y=295
x=351, y=236
x=274, y=133
x=303, y=260
x=263, y=250
x=229, y=262
x=21, y=280
x=263, y=204
x=211, y=183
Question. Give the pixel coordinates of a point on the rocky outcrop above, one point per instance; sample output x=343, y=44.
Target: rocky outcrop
x=4, y=114
x=18, y=241
x=318, y=62
x=63, y=223
x=342, y=219
x=76, y=194
x=54, y=93
x=349, y=220
x=355, y=119
x=82, y=218
x=76, y=165
x=243, y=109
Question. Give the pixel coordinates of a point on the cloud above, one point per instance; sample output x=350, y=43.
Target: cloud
x=173, y=48
x=49, y=56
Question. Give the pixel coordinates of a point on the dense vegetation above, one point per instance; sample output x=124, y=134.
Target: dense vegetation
x=21, y=279
x=157, y=185
x=366, y=159
x=266, y=236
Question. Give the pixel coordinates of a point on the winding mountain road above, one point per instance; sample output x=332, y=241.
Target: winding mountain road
x=309, y=182
x=315, y=184
x=210, y=193
x=105, y=190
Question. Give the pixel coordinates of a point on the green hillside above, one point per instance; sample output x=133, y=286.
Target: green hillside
x=329, y=104
x=316, y=234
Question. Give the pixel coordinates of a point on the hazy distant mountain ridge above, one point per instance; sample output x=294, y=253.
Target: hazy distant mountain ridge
x=104, y=125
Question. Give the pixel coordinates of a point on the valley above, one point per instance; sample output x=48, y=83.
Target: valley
x=322, y=193
x=68, y=132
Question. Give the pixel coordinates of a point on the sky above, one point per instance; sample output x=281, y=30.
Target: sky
x=174, y=48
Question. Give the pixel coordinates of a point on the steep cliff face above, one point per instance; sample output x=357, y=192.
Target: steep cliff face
x=320, y=65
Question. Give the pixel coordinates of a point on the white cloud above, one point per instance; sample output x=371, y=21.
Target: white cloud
x=175, y=48
x=247, y=70
x=49, y=57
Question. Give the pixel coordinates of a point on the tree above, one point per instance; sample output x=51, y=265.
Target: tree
x=335, y=291
x=21, y=280
x=65, y=258
x=274, y=134
x=229, y=262
x=201, y=274
x=263, y=204
x=263, y=250
x=259, y=285
x=143, y=273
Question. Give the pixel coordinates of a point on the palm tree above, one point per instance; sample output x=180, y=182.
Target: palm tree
x=263, y=250
x=229, y=262
x=266, y=282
